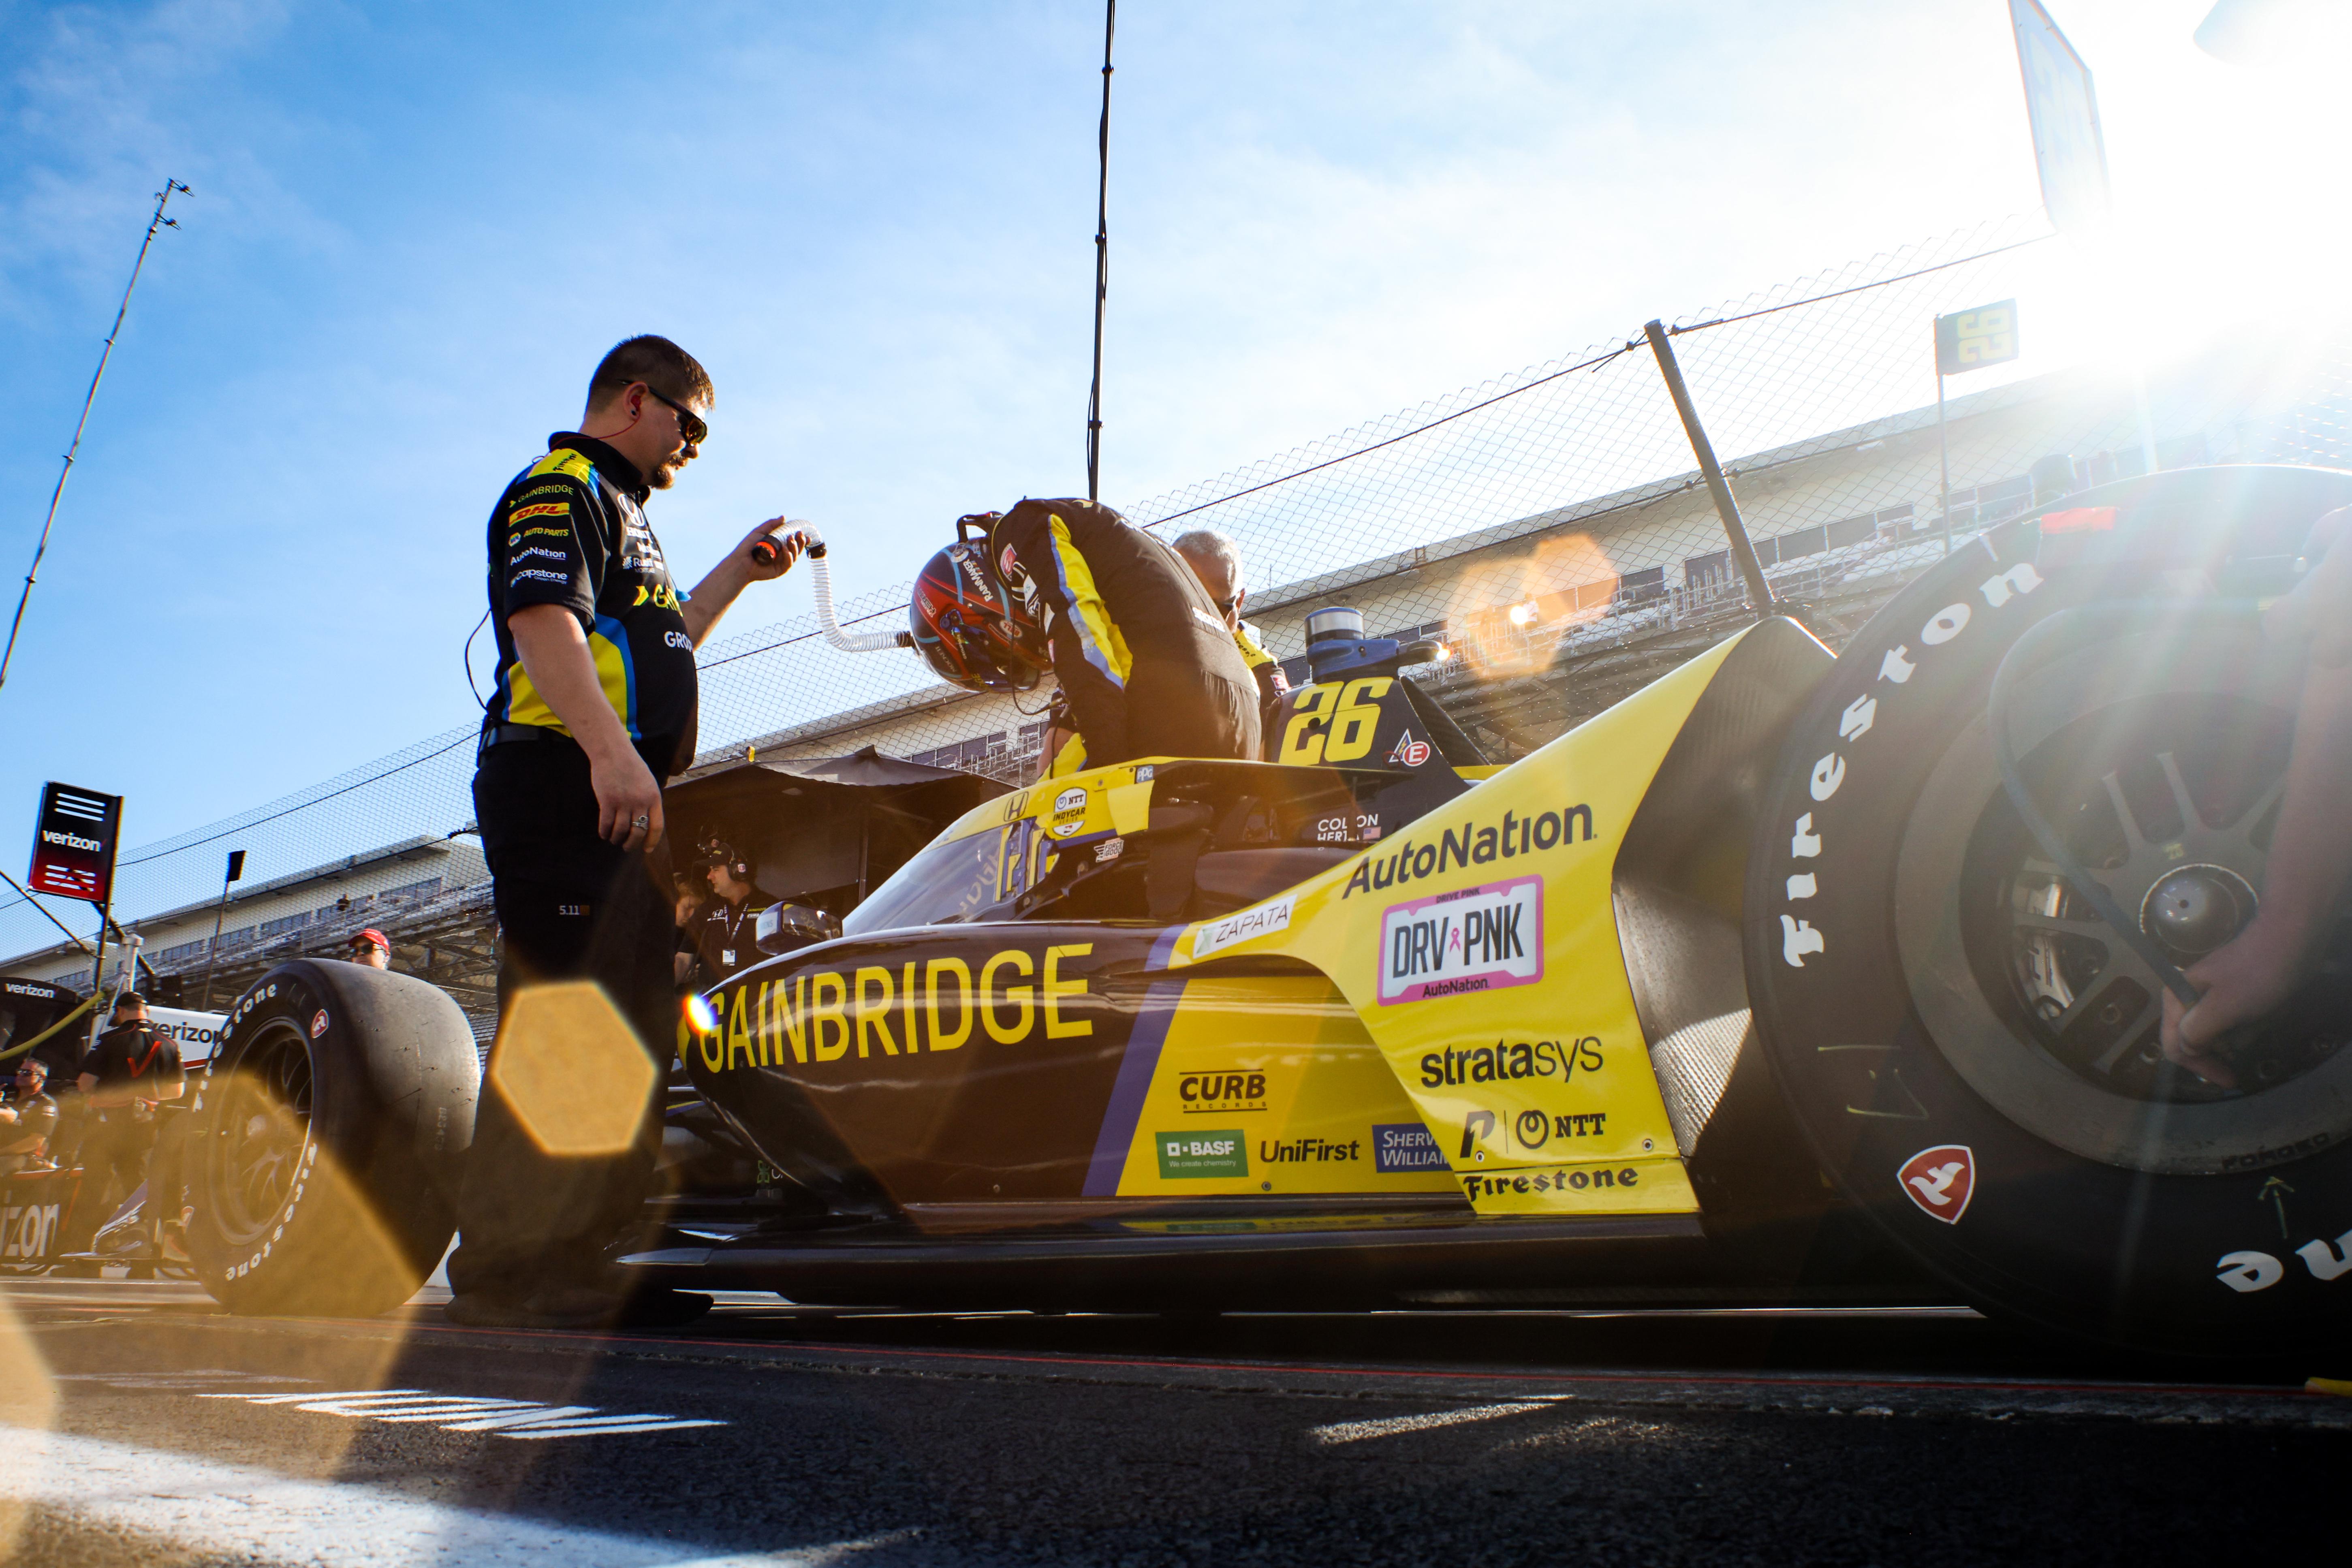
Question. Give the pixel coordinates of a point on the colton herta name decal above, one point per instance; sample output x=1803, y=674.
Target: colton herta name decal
x=1471, y=845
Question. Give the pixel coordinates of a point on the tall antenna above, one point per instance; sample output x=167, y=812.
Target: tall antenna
x=162, y=198
x=1102, y=264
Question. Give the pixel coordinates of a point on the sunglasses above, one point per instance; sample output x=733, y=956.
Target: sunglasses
x=689, y=422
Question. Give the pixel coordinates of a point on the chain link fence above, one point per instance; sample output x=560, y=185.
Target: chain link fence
x=1536, y=523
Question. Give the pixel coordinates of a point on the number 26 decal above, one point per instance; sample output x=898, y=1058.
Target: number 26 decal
x=1333, y=723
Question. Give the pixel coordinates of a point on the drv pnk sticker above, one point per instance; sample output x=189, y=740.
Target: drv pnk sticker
x=1478, y=939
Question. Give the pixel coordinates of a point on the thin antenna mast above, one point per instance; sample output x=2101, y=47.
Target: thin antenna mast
x=162, y=198
x=1102, y=264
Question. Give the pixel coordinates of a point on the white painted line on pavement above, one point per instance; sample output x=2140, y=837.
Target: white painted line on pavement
x=1356, y=1431
x=258, y=1516
x=451, y=1412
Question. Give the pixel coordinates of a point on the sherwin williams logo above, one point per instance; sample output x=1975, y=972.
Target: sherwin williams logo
x=1406, y=1146
x=1480, y=938
x=1189, y=1156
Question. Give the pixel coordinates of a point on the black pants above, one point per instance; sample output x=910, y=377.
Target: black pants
x=569, y=906
x=1174, y=711
x=117, y=1145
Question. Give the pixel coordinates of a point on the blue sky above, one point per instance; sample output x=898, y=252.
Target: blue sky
x=417, y=226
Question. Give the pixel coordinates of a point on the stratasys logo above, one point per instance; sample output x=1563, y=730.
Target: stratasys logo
x=70, y=841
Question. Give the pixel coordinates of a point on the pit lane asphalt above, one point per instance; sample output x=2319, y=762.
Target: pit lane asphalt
x=888, y=1439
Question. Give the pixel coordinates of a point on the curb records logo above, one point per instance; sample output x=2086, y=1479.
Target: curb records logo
x=1941, y=1181
x=1193, y=1156
x=1479, y=939
x=1409, y=753
x=1212, y=1093
x=1406, y=1146
x=1070, y=813
x=1263, y=921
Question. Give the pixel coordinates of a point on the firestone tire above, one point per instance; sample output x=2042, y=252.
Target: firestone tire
x=1979, y=1074
x=327, y=1140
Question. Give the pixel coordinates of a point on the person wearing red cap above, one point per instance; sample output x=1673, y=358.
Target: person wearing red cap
x=371, y=948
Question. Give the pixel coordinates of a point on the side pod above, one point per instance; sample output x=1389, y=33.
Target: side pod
x=1481, y=946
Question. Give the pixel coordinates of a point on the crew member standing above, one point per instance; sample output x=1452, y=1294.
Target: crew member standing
x=1147, y=665
x=730, y=926
x=1218, y=565
x=594, y=709
x=132, y=1067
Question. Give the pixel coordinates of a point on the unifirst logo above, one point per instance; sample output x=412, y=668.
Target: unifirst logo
x=70, y=841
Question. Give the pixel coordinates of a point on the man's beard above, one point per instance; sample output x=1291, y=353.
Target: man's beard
x=665, y=474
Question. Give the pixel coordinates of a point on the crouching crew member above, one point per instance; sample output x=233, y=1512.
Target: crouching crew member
x=1149, y=667
x=594, y=707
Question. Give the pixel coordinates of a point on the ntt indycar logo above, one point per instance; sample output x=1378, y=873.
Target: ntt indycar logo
x=1479, y=939
x=71, y=841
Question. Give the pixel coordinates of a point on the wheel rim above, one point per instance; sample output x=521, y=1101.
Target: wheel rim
x=2163, y=767
x=264, y=1133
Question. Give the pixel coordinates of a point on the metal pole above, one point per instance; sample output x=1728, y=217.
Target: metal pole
x=33, y=571
x=1102, y=262
x=98, y=968
x=235, y=869
x=1760, y=592
x=1943, y=463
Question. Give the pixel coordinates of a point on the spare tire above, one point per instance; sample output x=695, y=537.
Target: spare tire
x=326, y=1142
x=1970, y=1050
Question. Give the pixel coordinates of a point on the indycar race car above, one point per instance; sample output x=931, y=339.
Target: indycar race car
x=1789, y=977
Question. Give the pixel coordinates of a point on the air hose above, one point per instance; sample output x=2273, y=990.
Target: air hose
x=848, y=642
x=2097, y=616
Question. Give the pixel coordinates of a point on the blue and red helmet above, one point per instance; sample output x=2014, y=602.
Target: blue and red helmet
x=975, y=619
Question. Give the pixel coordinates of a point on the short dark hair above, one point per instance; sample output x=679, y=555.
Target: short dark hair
x=128, y=999
x=37, y=1064
x=659, y=364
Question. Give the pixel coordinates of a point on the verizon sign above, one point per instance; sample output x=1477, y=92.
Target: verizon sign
x=73, y=844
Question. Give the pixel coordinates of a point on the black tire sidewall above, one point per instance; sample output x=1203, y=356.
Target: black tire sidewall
x=2048, y=1234
x=389, y=1124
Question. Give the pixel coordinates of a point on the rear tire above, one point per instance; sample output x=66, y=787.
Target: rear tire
x=328, y=1138
x=1938, y=1005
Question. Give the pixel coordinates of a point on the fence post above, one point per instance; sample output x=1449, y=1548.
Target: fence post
x=1760, y=592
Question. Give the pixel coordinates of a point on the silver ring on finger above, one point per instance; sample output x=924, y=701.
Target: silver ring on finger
x=643, y=820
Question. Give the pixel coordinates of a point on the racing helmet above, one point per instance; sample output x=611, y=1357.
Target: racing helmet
x=976, y=618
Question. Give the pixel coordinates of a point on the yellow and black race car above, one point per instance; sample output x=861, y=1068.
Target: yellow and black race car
x=1789, y=977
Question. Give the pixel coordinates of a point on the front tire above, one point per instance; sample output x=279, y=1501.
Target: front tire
x=328, y=1133
x=1970, y=1050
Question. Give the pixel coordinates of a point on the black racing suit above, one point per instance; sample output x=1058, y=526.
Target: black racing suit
x=1148, y=665
x=570, y=531
x=116, y=1142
